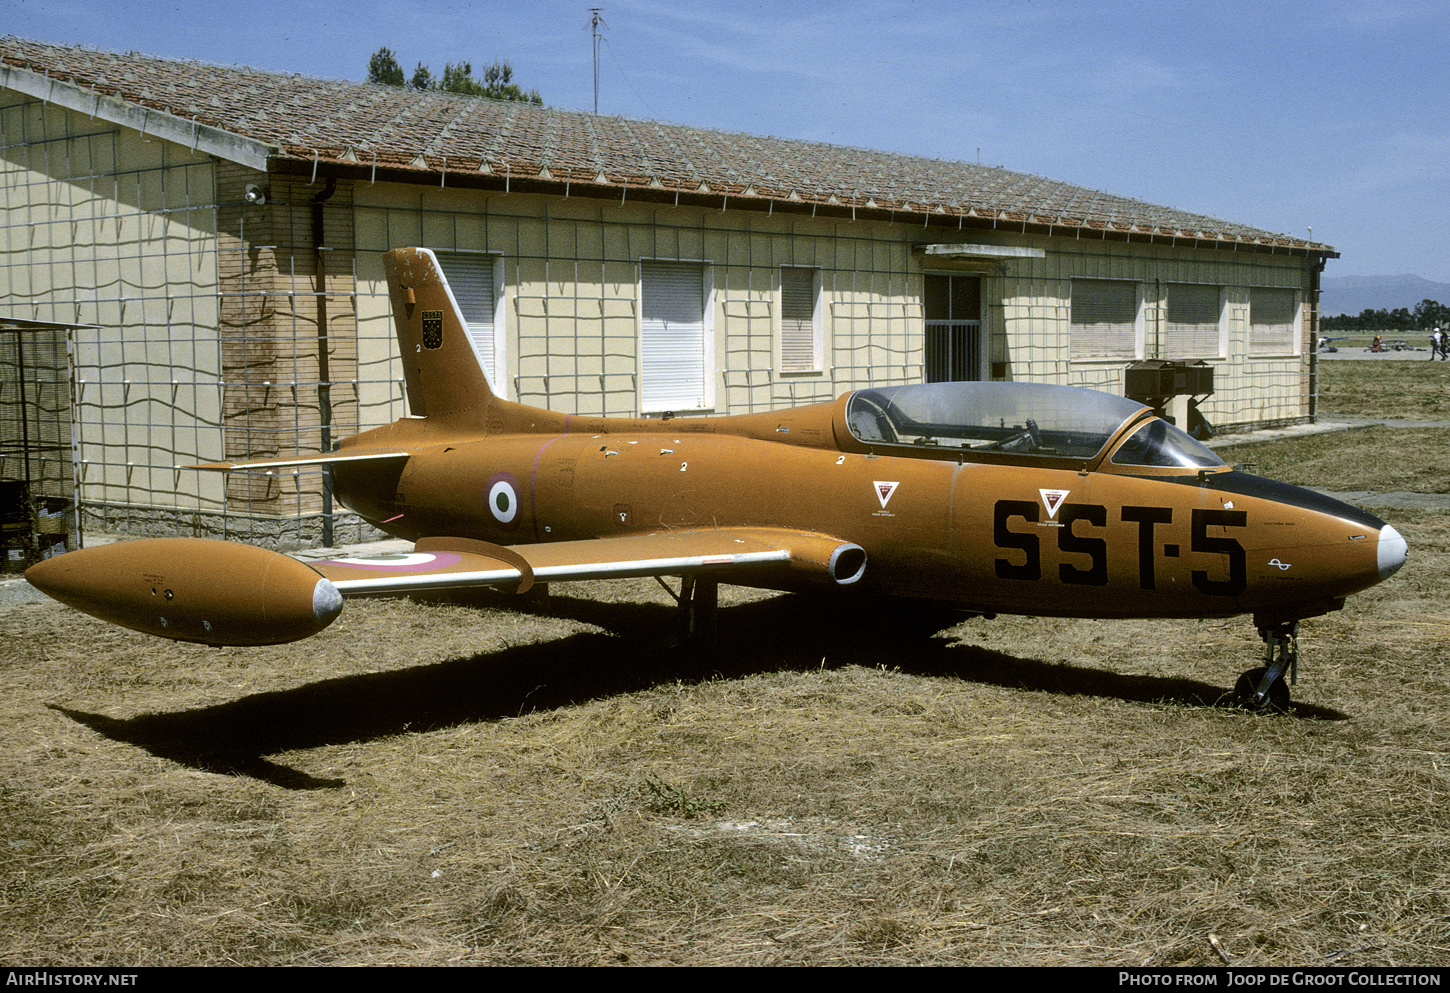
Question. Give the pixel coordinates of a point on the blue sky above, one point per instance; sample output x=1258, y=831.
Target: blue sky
x=1281, y=114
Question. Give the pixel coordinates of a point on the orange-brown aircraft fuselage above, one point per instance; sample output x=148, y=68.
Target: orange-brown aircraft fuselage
x=983, y=537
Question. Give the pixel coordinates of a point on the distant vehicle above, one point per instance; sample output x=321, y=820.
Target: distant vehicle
x=1021, y=498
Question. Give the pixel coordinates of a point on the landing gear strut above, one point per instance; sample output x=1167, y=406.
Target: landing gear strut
x=1263, y=690
x=697, y=604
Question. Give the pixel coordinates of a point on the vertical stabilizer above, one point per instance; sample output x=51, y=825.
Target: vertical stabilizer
x=440, y=369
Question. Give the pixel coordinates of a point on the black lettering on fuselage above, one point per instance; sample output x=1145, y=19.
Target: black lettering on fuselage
x=1026, y=543
x=1095, y=548
x=1237, y=580
x=1146, y=517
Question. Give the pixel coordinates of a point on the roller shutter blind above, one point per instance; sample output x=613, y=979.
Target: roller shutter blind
x=1271, y=321
x=799, y=343
x=1104, y=321
x=1194, y=314
x=470, y=277
x=672, y=336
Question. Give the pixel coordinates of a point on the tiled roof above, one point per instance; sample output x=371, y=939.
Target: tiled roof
x=320, y=121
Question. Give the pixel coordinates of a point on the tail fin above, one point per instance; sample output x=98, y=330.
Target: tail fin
x=441, y=371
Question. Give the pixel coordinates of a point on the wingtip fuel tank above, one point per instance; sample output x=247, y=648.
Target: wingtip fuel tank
x=193, y=589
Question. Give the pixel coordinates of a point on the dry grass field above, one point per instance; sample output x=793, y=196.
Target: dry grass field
x=1417, y=389
x=1376, y=459
x=470, y=783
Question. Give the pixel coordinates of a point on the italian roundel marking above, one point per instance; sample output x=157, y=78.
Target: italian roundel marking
x=503, y=499
x=407, y=562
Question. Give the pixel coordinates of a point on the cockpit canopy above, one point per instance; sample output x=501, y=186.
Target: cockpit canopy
x=1037, y=420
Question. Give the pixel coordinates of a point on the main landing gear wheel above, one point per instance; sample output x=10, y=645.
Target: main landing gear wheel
x=1248, y=685
x=1263, y=690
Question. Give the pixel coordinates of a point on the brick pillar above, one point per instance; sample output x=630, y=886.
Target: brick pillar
x=271, y=305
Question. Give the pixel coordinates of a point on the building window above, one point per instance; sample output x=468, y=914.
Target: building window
x=471, y=277
x=1195, y=322
x=672, y=366
x=955, y=349
x=800, y=320
x=1272, y=321
x=1105, y=319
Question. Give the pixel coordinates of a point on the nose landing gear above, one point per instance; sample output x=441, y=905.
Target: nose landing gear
x=1263, y=690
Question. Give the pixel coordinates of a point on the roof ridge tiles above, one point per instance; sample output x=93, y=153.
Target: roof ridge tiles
x=423, y=127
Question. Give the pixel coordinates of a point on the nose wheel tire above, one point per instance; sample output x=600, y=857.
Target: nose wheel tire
x=1277, y=699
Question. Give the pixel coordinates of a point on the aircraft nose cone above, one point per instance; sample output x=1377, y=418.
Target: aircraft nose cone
x=1392, y=550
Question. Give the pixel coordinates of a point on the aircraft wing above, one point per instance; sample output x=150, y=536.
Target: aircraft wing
x=445, y=563
x=325, y=458
x=226, y=593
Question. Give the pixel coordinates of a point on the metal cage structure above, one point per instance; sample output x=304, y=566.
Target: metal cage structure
x=38, y=513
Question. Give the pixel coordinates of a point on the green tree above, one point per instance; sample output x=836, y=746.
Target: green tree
x=458, y=78
x=497, y=81
x=1431, y=314
x=383, y=68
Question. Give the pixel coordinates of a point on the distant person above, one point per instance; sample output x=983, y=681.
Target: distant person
x=1376, y=346
x=1436, y=341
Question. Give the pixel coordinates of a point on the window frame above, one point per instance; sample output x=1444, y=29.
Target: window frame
x=1195, y=329
x=1256, y=347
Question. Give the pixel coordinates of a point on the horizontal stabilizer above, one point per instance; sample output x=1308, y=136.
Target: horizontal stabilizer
x=325, y=458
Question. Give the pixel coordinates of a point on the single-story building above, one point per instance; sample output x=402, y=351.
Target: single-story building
x=215, y=233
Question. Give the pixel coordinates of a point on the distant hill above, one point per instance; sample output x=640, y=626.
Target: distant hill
x=1353, y=294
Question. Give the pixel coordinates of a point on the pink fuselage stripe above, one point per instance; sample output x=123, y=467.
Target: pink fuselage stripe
x=533, y=477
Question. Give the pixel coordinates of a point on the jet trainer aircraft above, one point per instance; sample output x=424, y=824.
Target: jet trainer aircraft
x=989, y=497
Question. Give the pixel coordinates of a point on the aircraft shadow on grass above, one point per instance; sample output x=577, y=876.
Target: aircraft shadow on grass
x=764, y=636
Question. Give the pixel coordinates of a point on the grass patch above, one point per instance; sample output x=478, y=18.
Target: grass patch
x=448, y=783
x=1380, y=459
x=1400, y=390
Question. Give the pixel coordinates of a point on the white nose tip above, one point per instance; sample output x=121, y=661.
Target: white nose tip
x=1392, y=549
x=327, y=602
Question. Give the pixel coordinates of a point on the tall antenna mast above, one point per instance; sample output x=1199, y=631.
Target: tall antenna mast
x=596, y=22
